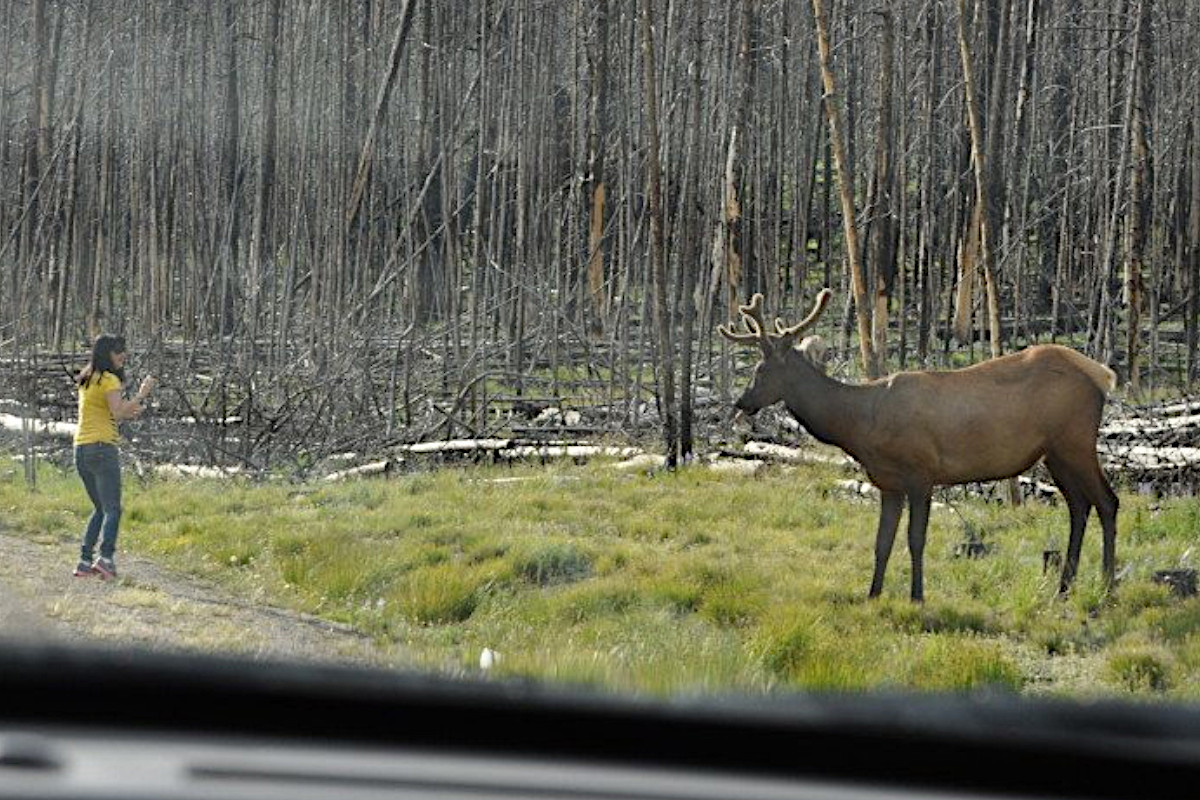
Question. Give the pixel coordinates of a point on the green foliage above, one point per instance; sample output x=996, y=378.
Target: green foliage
x=961, y=616
x=1139, y=597
x=736, y=601
x=694, y=581
x=551, y=563
x=788, y=643
x=1175, y=621
x=444, y=593
x=1055, y=639
x=585, y=603
x=959, y=663
x=1140, y=666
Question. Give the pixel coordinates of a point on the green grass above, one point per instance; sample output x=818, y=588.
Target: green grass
x=664, y=584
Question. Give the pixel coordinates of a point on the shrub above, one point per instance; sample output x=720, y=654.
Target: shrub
x=290, y=545
x=437, y=595
x=1178, y=622
x=1055, y=638
x=1140, y=667
x=553, y=563
x=784, y=645
x=958, y=617
x=681, y=597
x=959, y=663
x=735, y=602
x=1136, y=597
x=802, y=649
x=587, y=602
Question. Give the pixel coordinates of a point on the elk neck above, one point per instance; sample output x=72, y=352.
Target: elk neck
x=833, y=412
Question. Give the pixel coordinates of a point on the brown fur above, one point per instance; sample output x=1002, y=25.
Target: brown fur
x=916, y=430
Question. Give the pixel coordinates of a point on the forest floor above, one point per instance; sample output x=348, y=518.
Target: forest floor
x=152, y=607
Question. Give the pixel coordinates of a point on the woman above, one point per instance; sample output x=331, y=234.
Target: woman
x=101, y=407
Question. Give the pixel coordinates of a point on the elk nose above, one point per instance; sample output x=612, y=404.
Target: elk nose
x=743, y=407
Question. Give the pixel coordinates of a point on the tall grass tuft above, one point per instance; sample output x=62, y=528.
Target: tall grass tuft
x=1140, y=667
x=551, y=563
x=963, y=662
x=438, y=595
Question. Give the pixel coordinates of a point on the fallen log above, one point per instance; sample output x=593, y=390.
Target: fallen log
x=49, y=427
x=195, y=471
x=364, y=470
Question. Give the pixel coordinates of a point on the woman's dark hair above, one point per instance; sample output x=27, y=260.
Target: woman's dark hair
x=102, y=352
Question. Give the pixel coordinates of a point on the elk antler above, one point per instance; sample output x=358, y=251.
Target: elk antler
x=783, y=332
x=752, y=318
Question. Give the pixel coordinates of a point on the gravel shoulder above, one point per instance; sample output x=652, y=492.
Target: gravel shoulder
x=152, y=607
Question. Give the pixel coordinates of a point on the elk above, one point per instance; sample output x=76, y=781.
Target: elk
x=912, y=431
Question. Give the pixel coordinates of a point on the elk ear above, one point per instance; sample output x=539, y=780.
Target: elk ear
x=814, y=349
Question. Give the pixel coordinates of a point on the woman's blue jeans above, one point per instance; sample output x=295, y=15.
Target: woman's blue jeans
x=99, y=465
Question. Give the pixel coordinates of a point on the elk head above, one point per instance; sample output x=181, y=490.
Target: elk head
x=773, y=372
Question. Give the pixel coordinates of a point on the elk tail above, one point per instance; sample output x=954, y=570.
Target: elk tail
x=1100, y=375
x=1104, y=378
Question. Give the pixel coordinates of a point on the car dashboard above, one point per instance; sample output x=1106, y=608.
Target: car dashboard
x=83, y=722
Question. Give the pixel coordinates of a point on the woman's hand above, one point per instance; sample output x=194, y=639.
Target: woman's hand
x=131, y=409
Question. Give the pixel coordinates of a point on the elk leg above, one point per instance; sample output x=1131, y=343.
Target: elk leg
x=918, y=523
x=891, y=505
x=1108, y=522
x=1101, y=495
x=1079, y=507
x=1079, y=510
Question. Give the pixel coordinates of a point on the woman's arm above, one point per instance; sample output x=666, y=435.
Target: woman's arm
x=130, y=409
x=122, y=408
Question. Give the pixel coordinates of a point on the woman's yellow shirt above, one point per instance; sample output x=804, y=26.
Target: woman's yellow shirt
x=96, y=422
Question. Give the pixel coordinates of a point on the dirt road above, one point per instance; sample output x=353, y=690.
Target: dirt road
x=154, y=608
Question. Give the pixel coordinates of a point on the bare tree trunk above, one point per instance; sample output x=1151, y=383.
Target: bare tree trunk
x=231, y=179
x=1139, y=191
x=735, y=254
x=597, y=183
x=882, y=260
x=927, y=246
x=385, y=90
x=901, y=225
x=1061, y=288
x=981, y=180
x=1193, y=245
x=266, y=174
x=37, y=154
x=1020, y=171
x=691, y=260
x=870, y=360
x=666, y=352
x=483, y=136
x=1106, y=268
